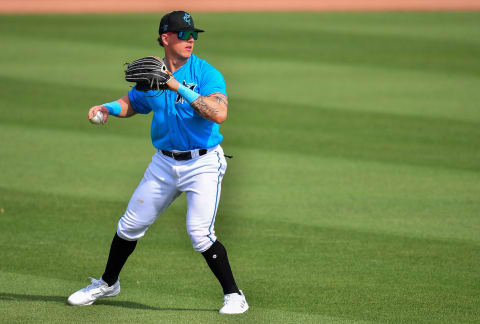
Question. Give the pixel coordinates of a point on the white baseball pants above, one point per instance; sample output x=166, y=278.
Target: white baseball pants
x=164, y=180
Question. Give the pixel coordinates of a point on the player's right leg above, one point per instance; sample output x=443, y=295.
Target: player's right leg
x=153, y=195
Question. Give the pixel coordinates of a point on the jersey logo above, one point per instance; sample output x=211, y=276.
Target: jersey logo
x=179, y=98
x=187, y=19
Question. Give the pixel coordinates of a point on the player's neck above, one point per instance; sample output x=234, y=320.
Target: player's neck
x=174, y=63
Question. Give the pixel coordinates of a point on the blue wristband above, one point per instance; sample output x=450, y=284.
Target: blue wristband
x=114, y=108
x=188, y=94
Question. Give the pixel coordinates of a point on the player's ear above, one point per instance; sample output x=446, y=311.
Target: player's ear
x=159, y=40
x=164, y=37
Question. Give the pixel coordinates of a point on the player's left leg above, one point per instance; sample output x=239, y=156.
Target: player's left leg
x=202, y=188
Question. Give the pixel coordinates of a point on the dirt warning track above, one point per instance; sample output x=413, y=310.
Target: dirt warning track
x=125, y=6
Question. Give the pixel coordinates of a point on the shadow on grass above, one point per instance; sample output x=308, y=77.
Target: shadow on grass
x=115, y=303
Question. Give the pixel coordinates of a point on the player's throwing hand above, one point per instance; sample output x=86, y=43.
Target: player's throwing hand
x=92, y=114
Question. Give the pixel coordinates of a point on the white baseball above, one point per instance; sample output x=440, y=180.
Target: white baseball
x=98, y=118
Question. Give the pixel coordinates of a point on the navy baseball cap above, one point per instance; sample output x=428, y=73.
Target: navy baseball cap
x=177, y=21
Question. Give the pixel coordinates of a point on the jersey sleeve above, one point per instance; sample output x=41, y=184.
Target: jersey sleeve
x=138, y=101
x=212, y=82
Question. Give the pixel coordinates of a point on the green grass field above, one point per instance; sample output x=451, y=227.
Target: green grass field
x=353, y=196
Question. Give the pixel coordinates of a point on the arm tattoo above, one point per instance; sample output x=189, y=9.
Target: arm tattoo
x=206, y=108
x=221, y=99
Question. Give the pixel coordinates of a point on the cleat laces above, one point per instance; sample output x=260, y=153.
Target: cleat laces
x=95, y=284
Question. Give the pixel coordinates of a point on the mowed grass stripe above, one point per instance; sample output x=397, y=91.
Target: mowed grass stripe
x=358, y=135
x=352, y=87
x=78, y=163
x=363, y=39
x=65, y=107
x=367, y=196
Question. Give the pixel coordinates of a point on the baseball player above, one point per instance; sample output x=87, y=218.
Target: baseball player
x=188, y=158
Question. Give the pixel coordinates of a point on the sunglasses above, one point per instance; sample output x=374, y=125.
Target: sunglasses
x=185, y=35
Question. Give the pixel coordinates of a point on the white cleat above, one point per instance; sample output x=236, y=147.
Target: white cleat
x=98, y=289
x=234, y=304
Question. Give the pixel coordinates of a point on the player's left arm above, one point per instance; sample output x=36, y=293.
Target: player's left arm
x=213, y=107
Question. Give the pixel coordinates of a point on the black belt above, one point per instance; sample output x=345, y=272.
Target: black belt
x=183, y=156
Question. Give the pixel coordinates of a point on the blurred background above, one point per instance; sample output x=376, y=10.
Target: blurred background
x=352, y=195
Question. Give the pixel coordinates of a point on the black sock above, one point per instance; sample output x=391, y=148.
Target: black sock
x=217, y=260
x=119, y=253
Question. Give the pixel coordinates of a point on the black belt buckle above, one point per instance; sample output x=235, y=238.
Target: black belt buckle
x=183, y=156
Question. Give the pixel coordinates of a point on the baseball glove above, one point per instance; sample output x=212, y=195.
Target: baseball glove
x=149, y=73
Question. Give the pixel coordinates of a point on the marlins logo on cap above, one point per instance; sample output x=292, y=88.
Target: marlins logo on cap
x=187, y=18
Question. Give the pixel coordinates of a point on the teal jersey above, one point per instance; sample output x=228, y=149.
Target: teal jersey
x=175, y=124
